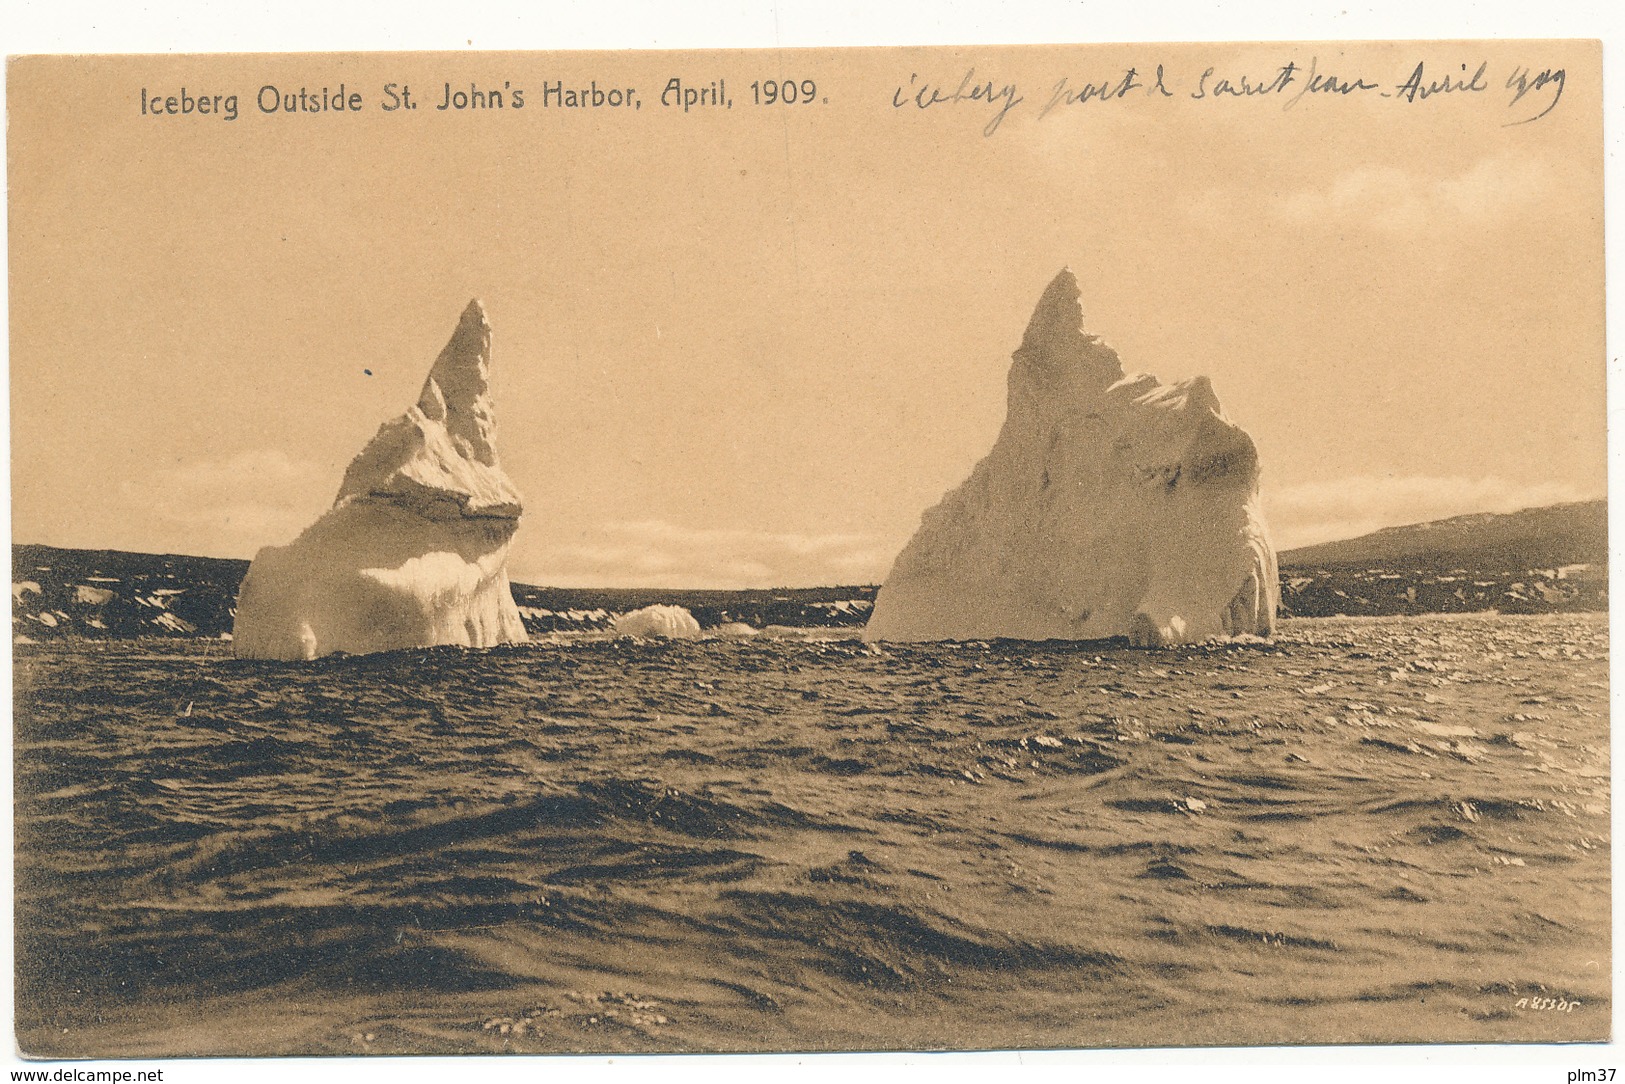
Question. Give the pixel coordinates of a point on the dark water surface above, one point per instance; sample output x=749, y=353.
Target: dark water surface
x=1371, y=830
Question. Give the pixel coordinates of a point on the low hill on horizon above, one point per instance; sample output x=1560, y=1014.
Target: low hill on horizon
x=1549, y=537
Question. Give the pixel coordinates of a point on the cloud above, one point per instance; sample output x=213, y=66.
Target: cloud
x=1390, y=199
x=654, y=553
x=232, y=506
x=1313, y=512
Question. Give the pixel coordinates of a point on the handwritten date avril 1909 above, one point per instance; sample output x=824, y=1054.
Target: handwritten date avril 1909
x=1537, y=92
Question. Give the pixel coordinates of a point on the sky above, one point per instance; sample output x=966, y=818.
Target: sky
x=748, y=346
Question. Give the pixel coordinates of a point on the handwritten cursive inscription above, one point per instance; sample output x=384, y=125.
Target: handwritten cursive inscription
x=1419, y=88
x=1535, y=91
x=969, y=90
x=1316, y=83
x=1107, y=90
x=1523, y=83
x=1242, y=87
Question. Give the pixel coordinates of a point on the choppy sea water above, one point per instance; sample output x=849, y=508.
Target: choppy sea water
x=1369, y=830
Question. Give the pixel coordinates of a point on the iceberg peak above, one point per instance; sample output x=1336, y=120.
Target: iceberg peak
x=1057, y=356
x=458, y=389
x=1059, y=308
x=444, y=447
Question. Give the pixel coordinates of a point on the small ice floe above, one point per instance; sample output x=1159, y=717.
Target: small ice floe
x=736, y=630
x=850, y=607
x=167, y=620
x=666, y=622
x=20, y=591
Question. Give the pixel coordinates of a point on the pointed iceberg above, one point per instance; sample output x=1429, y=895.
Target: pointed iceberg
x=414, y=551
x=1110, y=506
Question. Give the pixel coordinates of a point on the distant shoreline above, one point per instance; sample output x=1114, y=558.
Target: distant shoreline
x=60, y=593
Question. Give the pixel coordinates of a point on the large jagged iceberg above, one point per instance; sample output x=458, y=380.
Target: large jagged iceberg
x=1110, y=506
x=414, y=550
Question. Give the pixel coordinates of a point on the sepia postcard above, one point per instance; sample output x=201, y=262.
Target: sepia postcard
x=836, y=549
